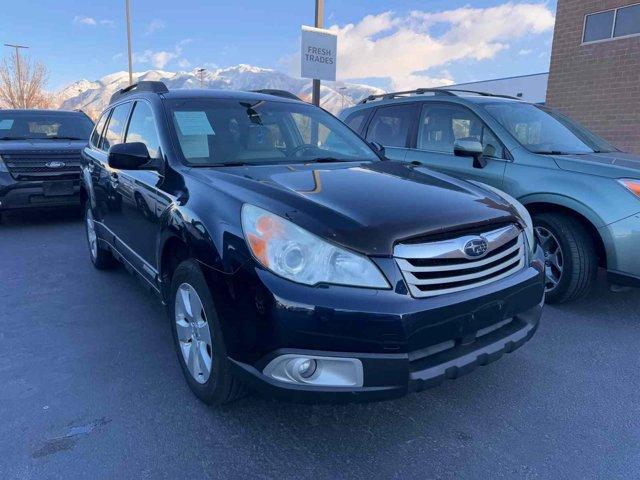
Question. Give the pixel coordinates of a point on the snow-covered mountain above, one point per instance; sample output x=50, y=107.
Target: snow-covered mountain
x=93, y=96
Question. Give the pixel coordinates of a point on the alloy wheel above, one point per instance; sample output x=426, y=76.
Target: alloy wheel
x=553, y=258
x=193, y=331
x=91, y=234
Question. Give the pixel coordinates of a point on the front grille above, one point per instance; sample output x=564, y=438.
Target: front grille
x=43, y=165
x=440, y=267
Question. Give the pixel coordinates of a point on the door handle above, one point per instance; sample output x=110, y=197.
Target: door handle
x=115, y=181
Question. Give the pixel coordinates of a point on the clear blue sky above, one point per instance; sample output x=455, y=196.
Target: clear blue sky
x=81, y=39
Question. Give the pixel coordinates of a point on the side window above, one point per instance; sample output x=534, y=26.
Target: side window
x=492, y=146
x=441, y=125
x=115, y=128
x=356, y=119
x=142, y=128
x=390, y=126
x=97, y=131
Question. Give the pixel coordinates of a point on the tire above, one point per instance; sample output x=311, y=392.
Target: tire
x=101, y=258
x=578, y=256
x=218, y=385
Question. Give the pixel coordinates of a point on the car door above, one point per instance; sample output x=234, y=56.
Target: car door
x=440, y=124
x=143, y=200
x=112, y=192
x=94, y=172
x=392, y=127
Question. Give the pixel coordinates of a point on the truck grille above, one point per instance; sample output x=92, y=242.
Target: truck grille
x=461, y=263
x=43, y=165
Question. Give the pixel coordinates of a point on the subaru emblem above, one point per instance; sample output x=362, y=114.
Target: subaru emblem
x=55, y=164
x=476, y=248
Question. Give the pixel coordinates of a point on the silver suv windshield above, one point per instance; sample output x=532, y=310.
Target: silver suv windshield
x=226, y=132
x=545, y=131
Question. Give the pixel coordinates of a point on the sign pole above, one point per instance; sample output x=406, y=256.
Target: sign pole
x=315, y=98
x=128, y=15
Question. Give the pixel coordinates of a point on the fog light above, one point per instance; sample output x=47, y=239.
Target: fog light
x=319, y=371
x=307, y=368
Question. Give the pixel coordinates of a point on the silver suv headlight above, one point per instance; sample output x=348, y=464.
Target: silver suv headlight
x=293, y=253
x=522, y=211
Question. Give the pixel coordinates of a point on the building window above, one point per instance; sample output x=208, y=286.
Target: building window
x=610, y=24
x=627, y=21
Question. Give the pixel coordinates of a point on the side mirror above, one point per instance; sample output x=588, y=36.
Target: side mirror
x=378, y=147
x=129, y=156
x=470, y=148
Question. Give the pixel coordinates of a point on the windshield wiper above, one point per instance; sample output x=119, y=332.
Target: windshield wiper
x=64, y=138
x=326, y=160
x=554, y=152
x=228, y=164
x=13, y=138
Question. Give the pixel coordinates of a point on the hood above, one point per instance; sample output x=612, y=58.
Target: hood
x=612, y=165
x=367, y=207
x=39, y=145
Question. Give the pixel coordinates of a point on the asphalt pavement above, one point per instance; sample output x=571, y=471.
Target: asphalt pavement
x=90, y=387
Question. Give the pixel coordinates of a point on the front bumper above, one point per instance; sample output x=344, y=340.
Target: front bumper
x=622, y=240
x=404, y=344
x=391, y=376
x=16, y=195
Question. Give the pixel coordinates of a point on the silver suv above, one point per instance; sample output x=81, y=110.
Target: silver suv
x=583, y=194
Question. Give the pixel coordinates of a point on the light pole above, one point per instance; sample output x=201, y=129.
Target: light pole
x=128, y=15
x=341, y=90
x=18, y=71
x=201, y=76
x=315, y=96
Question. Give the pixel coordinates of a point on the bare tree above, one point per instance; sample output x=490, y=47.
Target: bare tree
x=22, y=82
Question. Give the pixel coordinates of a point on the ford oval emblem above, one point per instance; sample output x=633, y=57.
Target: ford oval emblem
x=55, y=164
x=476, y=248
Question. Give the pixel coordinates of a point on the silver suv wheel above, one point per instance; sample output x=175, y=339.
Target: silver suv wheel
x=554, y=261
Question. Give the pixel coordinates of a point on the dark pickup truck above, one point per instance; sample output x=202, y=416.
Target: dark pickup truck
x=40, y=157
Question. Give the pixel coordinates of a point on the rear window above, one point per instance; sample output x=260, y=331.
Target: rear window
x=44, y=125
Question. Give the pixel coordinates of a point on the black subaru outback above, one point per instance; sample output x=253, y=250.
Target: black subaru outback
x=293, y=257
x=40, y=157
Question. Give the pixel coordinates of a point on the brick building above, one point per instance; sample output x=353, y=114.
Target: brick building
x=595, y=67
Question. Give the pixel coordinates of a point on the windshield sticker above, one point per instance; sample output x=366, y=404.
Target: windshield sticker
x=194, y=123
x=6, y=124
x=194, y=146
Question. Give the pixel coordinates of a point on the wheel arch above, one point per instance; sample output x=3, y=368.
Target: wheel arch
x=586, y=217
x=181, y=239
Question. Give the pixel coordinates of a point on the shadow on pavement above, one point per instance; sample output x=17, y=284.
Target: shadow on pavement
x=40, y=217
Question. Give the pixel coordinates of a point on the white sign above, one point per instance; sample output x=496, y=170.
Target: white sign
x=318, y=53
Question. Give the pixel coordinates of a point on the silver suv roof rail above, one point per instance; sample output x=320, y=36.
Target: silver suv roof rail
x=450, y=92
x=144, y=86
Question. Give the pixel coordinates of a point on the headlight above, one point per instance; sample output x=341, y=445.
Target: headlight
x=522, y=211
x=3, y=167
x=293, y=253
x=632, y=185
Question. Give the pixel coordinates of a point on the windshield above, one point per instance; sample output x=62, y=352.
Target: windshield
x=221, y=131
x=543, y=130
x=44, y=125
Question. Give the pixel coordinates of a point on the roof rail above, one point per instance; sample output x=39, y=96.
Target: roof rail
x=482, y=94
x=277, y=93
x=144, y=86
x=418, y=91
x=451, y=92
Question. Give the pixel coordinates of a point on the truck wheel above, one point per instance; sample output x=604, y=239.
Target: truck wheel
x=570, y=256
x=100, y=257
x=198, y=337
